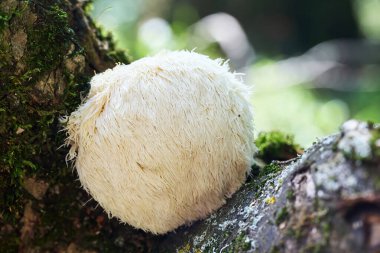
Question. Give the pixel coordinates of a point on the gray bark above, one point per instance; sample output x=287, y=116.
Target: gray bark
x=326, y=200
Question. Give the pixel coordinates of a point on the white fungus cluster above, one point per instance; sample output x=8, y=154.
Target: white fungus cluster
x=163, y=141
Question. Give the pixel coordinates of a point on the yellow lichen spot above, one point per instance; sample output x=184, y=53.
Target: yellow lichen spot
x=184, y=249
x=270, y=200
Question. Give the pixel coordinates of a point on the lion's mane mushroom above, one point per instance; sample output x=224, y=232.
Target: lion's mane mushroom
x=163, y=141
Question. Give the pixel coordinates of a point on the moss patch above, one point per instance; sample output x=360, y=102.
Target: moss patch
x=49, y=40
x=4, y=19
x=272, y=168
x=281, y=216
x=276, y=146
x=265, y=174
x=113, y=52
x=29, y=138
x=375, y=141
x=29, y=131
x=30, y=135
x=239, y=244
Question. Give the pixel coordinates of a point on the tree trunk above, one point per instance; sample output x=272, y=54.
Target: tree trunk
x=49, y=49
x=324, y=201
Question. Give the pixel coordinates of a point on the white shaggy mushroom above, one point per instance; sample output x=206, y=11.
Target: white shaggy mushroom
x=163, y=141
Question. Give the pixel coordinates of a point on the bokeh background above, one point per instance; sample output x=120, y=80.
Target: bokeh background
x=313, y=64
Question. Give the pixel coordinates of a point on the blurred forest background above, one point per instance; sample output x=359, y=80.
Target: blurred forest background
x=313, y=64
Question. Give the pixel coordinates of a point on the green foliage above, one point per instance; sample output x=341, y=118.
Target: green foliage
x=276, y=146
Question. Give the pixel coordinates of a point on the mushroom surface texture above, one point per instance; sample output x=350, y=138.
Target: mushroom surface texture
x=163, y=141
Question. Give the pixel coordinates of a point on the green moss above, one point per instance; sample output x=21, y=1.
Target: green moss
x=49, y=41
x=255, y=171
x=326, y=230
x=113, y=52
x=375, y=142
x=265, y=174
x=281, y=216
x=6, y=16
x=226, y=233
x=4, y=19
x=270, y=169
x=5, y=46
x=276, y=146
x=290, y=195
x=29, y=137
x=23, y=150
x=239, y=244
x=118, y=56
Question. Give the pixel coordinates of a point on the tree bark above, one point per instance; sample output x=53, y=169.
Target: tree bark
x=327, y=200
x=49, y=49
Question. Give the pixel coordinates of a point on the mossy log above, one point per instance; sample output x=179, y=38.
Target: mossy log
x=327, y=200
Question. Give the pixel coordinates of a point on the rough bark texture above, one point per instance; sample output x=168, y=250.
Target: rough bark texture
x=48, y=52
x=327, y=200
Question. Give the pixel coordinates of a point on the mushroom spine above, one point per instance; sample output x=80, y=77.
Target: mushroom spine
x=163, y=141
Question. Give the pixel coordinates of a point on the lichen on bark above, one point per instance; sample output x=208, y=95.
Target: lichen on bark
x=326, y=200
